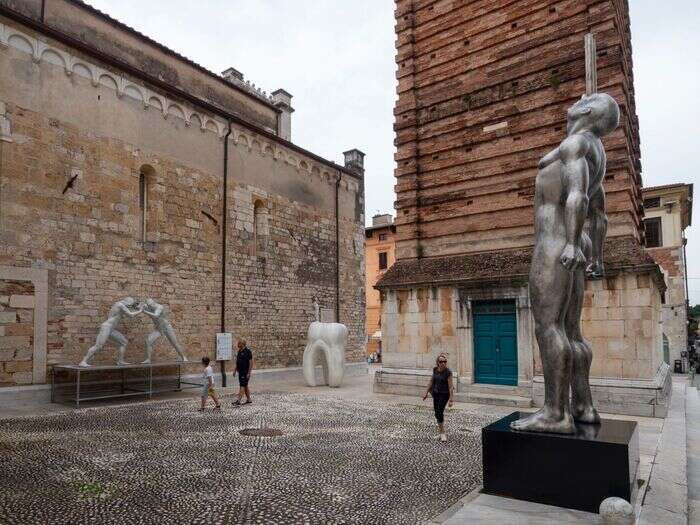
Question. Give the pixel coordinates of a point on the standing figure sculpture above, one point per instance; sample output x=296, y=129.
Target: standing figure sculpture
x=568, y=191
x=108, y=331
x=159, y=315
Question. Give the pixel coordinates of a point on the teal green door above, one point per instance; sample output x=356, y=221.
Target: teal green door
x=495, y=343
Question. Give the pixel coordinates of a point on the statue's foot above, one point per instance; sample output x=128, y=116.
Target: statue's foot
x=146, y=362
x=84, y=363
x=184, y=359
x=544, y=421
x=586, y=414
x=122, y=363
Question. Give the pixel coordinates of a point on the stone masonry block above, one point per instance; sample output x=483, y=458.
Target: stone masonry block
x=8, y=317
x=21, y=301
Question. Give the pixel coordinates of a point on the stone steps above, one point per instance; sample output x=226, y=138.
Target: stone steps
x=495, y=390
x=494, y=399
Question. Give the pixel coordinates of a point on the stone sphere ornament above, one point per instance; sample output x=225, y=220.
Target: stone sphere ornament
x=616, y=511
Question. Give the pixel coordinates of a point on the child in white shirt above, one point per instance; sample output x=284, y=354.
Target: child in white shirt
x=208, y=385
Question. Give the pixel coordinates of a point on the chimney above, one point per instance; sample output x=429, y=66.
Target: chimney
x=233, y=76
x=355, y=161
x=283, y=100
x=382, y=220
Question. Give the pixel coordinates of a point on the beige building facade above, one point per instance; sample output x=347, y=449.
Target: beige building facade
x=379, y=257
x=128, y=170
x=668, y=211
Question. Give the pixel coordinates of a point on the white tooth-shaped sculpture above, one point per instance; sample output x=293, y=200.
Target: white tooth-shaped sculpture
x=326, y=343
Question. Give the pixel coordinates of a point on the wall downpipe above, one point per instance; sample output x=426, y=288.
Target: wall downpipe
x=224, y=229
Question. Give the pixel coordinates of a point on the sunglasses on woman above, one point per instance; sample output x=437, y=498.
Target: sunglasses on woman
x=442, y=361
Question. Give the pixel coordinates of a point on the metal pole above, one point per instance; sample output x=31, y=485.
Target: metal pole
x=53, y=385
x=150, y=381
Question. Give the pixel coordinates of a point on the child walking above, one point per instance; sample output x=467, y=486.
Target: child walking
x=441, y=389
x=208, y=385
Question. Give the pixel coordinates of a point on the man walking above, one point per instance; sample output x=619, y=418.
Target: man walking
x=244, y=367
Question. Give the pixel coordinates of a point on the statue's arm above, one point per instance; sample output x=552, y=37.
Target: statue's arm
x=549, y=158
x=575, y=181
x=129, y=312
x=598, y=230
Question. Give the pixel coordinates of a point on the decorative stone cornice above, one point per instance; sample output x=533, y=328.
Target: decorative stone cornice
x=41, y=51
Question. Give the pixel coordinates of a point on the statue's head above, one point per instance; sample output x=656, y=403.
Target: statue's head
x=129, y=302
x=598, y=112
x=150, y=303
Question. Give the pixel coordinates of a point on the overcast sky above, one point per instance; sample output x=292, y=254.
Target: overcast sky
x=337, y=58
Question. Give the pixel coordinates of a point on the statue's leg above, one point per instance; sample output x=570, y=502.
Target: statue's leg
x=581, y=399
x=172, y=338
x=550, y=291
x=121, y=341
x=100, y=341
x=150, y=340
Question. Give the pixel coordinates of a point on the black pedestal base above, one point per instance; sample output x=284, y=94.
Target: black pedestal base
x=576, y=471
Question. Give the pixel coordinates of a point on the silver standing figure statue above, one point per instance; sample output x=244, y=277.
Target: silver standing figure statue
x=108, y=331
x=162, y=326
x=568, y=191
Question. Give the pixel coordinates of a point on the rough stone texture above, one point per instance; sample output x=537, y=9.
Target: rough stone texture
x=16, y=332
x=336, y=462
x=70, y=204
x=483, y=89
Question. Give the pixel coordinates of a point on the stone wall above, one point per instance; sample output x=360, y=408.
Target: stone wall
x=16, y=332
x=483, y=89
x=675, y=313
x=417, y=325
x=76, y=139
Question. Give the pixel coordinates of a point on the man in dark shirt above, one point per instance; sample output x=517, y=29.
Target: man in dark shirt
x=244, y=367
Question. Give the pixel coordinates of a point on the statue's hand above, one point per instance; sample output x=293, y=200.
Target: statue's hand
x=595, y=270
x=572, y=258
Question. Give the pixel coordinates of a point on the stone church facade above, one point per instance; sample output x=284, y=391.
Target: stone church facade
x=128, y=170
x=482, y=95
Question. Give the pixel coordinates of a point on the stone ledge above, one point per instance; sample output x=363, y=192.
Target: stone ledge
x=633, y=397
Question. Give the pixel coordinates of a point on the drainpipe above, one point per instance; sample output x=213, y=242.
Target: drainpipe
x=224, y=224
x=43, y=11
x=337, y=248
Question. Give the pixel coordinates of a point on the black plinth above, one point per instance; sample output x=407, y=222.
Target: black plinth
x=575, y=471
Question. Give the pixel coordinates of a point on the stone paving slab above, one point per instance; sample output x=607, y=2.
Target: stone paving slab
x=339, y=461
x=492, y=510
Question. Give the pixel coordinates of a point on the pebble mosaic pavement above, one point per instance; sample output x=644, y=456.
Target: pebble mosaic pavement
x=338, y=462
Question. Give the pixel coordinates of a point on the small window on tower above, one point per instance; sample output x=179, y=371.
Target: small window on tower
x=382, y=236
x=652, y=232
x=382, y=261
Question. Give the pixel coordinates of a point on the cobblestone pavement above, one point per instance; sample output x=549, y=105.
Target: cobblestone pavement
x=338, y=461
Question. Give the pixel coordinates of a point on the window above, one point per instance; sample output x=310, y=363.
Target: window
x=382, y=261
x=652, y=232
x=653, y=202
x=382, y=237
x=145, y=175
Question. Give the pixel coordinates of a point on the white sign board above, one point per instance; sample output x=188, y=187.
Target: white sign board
x=224, y=346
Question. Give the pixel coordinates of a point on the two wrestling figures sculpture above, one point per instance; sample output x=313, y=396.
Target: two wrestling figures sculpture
x=128, y=306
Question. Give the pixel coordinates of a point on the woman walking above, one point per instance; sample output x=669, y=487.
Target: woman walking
x=441, y=389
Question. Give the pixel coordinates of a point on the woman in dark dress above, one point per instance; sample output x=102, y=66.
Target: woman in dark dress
x=441, y=389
